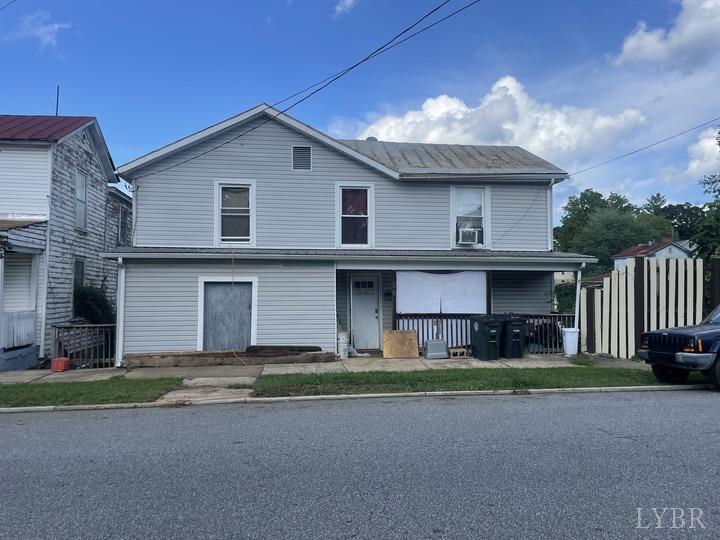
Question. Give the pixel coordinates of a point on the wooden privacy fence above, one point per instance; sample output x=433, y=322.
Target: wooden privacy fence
x=647, y=294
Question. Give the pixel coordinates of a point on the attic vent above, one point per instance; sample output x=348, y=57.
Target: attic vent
x=301, y=158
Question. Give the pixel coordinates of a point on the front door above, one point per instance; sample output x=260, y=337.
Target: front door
x=365, y=323
x=227, y=316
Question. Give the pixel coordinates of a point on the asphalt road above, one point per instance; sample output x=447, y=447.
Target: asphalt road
x=564, y=466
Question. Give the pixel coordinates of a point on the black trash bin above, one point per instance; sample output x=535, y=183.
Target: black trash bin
x=513, y=336
x=485, y=336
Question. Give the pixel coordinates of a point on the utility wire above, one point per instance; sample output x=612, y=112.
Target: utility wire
x=645, y=147
x=10, y=3
x=321, y=85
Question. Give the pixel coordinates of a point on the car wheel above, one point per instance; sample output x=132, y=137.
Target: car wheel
x=713, y=374
x=670, y=375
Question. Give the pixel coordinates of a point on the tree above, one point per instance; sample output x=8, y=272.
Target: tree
x=711, y=182
x=658, y=227
x=577, y=211
x=708, y=234
x=609, y=231
x=685, y=219
x=655, y=204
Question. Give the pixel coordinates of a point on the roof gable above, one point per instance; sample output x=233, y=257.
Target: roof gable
x=130, y=169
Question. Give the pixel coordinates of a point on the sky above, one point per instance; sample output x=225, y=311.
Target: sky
x=574, y=81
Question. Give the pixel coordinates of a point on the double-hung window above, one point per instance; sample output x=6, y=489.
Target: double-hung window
x=355, y=216
x=80, y=200
x=234, y=213
x=469, y=216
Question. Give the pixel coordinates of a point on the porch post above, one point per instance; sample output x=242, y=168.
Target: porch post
x=2, y=300
x=120, y=314
x=578, y=279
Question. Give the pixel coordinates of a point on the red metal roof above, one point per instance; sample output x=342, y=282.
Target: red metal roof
x=15, y=127
x=641, y=249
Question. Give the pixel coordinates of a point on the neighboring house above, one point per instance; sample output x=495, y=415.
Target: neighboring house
x=56, y=217
x=263, y=230
x=667, y=249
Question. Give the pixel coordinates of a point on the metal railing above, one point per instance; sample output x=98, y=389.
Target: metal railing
x=18, y=329
x=543, y=333
x=86, y=345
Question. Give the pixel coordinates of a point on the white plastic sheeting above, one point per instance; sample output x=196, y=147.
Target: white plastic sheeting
x=426, y=292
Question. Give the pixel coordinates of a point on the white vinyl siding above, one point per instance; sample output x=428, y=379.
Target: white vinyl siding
x=297, y=209
x=18, y=282
x=24, y=180
x=296, y=303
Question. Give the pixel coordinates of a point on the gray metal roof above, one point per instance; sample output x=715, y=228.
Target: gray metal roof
x=420, y=159
x=259, y=253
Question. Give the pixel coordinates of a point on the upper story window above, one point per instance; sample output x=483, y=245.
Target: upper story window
x=234, y=213
x=469, y=216
x=302, y=158
x=124, y=227
x=80, y=200
x=355, y=215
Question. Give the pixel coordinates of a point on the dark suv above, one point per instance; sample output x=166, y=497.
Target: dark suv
x=674, y=352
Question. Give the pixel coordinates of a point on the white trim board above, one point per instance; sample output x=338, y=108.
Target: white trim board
x=226, y=279
x=377, y=276
x=487, y=216
x=370, y=186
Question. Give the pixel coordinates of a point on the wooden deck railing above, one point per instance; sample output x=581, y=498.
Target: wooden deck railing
x=86, y=345
x=18, y=329
x=543, y=333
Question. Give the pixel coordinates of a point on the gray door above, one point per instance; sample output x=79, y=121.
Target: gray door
x=227, y=317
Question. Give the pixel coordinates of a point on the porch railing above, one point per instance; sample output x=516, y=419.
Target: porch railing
x=543, y=333
x=18, y=329
x=86, y=345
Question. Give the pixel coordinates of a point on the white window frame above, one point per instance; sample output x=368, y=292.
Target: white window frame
x=370, y=187
x=202, y=280
x=487, y=237
x=292, y=157
x=83, y=226
x=217, y=228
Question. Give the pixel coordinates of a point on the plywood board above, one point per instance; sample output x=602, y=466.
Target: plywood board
x=400, y=344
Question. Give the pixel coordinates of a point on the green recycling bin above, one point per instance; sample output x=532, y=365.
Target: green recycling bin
x=485, y=336
x=513, y=336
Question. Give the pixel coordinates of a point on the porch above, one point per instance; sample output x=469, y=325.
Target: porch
x=440, y=303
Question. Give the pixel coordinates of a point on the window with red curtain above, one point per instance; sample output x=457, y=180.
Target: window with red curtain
x=354, y=216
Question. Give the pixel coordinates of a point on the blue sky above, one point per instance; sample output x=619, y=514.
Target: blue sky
x=574, y=81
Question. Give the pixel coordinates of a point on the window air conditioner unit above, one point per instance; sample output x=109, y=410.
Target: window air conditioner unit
x=468, y=237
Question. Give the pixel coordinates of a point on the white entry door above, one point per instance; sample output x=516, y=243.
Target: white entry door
x=364, y=306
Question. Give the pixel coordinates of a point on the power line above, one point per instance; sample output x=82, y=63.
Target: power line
x=10, y=3
x=321, y=85
x=645, y=147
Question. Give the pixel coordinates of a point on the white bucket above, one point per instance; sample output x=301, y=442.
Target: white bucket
x=570, y=341
x=343, y=341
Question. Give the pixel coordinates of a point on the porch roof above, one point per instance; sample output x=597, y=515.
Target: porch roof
x=366, y=255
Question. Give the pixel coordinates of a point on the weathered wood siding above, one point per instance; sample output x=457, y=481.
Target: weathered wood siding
x=297, y=208
x=296, y=303
x=24, y=180
x=528, y=293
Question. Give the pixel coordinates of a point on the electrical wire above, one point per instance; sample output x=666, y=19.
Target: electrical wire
x=321, y=85
x=10, y=3
x=645, y=147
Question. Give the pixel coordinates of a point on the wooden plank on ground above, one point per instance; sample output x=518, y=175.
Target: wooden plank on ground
x=622, y=313
x=606, y=317
x=614, y=313
x=400, y=344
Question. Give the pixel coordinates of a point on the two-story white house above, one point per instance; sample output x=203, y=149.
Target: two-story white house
x=56, y=217
x=263, y=230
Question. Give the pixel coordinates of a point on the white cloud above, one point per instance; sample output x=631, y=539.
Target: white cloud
x=344, y=6
x=507, y=114
x=704, y=154
x=693, y=39
x=38, y=26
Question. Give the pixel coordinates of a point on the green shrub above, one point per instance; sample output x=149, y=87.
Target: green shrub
x=565, y=295
x=92, y=304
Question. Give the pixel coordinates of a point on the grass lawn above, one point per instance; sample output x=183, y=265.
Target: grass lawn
x=376, y=382
x=115, y=390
